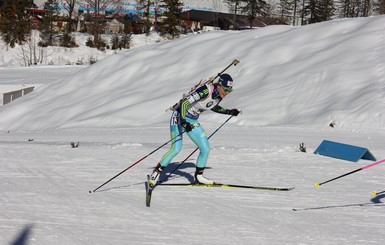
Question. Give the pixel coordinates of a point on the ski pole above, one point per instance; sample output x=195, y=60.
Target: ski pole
x=135, y=163
x=316, y=185
x=374, y=194
x=193, y=152
x=234, y=62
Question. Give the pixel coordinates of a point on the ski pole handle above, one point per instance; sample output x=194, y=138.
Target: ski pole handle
x=234, y=62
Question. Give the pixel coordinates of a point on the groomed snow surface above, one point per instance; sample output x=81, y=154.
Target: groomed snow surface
x=292, y=82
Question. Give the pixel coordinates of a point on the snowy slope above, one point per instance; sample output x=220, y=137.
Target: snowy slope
x=316, y=74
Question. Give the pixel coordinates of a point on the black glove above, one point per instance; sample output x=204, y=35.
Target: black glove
x=187, y=126
x=234, y=112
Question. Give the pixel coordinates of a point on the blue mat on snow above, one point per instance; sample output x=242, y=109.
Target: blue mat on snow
x=343, y=151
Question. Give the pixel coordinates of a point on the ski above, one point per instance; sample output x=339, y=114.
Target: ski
x=220, y=185
x=149, y=190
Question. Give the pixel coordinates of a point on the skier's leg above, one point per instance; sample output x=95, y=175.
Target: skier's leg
x=176, y=143
x=176, y=146
x=199, y=137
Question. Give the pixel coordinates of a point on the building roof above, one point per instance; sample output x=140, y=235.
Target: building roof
x=224, y=20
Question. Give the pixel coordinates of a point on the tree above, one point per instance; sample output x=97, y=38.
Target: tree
x=326, y=10
x=31, y=53
x=305, y=12
x=51, y=8
x=171, y=20
x=358, y=8
x=271, y=8
x=285, y=9
x=145, y=5
x=115, y=42
x=347, y=8
x=15, y=22
x=253, y=8
x=380, y=7
x=299, y=12
x=291, y=9
x=125, y=41
x=322, y=10
x=296, y=5
x=99, y=7
x=234, y=6
x=70, y=7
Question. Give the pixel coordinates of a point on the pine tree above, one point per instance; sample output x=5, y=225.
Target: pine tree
x=322, y=10
x=234, y=7
x=326, y=10
x=289, y=10
x=125, y=41
x=358, y=8
x=285, y=9
x=115, y=41
x=171, y=20
x=15, y=24
x=51, y=8
x=144, y=5
x=380, y=7
x=70, y=7
x=253, y=8
x=305, y=12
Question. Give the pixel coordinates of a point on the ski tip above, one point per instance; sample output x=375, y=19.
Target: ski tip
x=316, y=185
x=374, y=194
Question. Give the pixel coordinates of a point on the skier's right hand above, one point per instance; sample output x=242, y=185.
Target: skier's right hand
x=187, y=126
x=234, y=112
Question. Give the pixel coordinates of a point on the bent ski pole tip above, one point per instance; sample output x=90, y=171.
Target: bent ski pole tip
x=316, y=185
x=374, y=194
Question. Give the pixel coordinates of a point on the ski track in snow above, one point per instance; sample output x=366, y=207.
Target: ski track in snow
x=47, y=190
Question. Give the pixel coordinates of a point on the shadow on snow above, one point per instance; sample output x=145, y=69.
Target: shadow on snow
x=177, y=172
x=22, y=238
x=376, y=201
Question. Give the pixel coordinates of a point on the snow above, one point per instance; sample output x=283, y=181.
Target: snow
x=292, y=82
x=68, y=56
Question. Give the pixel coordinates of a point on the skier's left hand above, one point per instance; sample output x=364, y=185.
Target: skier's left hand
x=234, y=112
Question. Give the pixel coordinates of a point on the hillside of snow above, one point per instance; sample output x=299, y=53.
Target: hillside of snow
x=331, y=72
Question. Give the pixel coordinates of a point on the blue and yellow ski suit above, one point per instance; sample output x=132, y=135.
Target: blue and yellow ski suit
x=203, y=98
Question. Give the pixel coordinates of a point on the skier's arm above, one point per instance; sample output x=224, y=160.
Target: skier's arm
x=221, y=110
